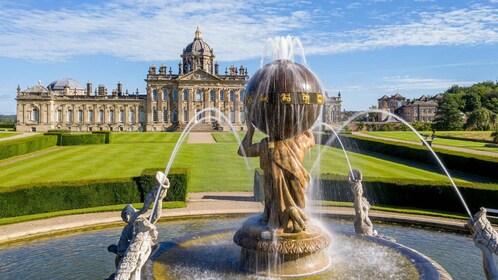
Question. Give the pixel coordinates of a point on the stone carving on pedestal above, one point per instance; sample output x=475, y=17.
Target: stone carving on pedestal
x=362, y=223
x=283, y=101
x=139, y=235
x=486, y=239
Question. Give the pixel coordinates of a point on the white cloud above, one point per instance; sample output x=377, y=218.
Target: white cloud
x=151, y=30
x=401, y=83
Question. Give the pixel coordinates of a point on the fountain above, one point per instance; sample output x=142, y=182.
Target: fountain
x=284, y=101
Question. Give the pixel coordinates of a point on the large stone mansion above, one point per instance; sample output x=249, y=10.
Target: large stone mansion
x=172, y=100
x=421, y=109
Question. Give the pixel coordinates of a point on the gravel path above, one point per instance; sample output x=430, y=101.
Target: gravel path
x=200, y=138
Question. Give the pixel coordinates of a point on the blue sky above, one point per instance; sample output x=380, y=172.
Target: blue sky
x=364, y=49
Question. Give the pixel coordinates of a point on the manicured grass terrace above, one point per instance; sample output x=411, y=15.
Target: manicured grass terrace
x=5, y=134
x=410, y=136
x=212, y=167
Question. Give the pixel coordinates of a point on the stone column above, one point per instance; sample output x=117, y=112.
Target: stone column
x=236, y=106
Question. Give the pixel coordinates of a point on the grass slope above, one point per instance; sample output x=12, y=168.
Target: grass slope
x=5, y=134
x=410, y=136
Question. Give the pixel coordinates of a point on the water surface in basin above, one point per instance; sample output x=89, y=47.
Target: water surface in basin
x=84, y=255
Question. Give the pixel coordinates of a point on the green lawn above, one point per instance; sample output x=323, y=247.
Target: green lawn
x=5, y=134
x=213, y=167
x=410, y=136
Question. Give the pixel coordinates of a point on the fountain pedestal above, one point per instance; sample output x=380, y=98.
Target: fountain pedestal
x=275, y=253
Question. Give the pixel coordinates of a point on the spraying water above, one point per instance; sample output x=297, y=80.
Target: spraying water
x=440, y=163
x=191, y=124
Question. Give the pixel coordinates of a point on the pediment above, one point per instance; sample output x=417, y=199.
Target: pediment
x=199, y=75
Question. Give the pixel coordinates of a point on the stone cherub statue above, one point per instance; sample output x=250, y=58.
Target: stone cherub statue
x=286, y=178
x=139, y=235
x=486, y=239
x=362, y=223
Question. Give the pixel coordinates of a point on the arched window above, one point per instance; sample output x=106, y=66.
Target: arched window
x=141, y=116
x=211, y=95
x=185, y=115
x=121, y=116
x=232, y=95
x=154, y=95
x=69, y=116
x=132, y=116
x=165, y=95
x=222, y=95
x=198, y=95
x=185, y=95
x=35, y=115
x=165, y=115
x=90, y=116
x=242, y=115
x=154, y=115
x=80, y=115
x=101, y=116
x=199, y=116
x=232, y=115
x=59, y=116
x=111, y=116
x=175, y=95
x=175, y=116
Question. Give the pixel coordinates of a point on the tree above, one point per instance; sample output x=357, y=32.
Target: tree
x=494, y=134
x=448, y=115
x=479, y=120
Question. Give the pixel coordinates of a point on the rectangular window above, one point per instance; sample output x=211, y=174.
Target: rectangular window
x=211, y=95
x=185, y=95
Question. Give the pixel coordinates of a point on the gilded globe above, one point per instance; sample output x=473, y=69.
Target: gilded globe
x=283, y=99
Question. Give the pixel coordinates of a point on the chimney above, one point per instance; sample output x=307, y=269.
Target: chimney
x=216, y=68
x=152, y=69
x=162, y=70
x=241, y=70
x=102, y=90
x=180, y=68
x=120, y=88
x=89, y=88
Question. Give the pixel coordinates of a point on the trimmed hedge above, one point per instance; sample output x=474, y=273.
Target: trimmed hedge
x=67, y=195
x=107, y=134
x=21, y=146
x=7, y=125
x=82, y=139
x=178, y=179
x=50, y=197
x=399, y=192
x=469, y=163
x=410, y=193
x=58, y=133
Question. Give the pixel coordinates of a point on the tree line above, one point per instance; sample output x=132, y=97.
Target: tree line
x=468, y=108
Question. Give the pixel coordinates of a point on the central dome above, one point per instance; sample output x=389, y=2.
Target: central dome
x=198, y=46
x=61, y=83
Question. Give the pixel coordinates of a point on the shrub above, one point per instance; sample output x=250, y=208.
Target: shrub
x=7, y=125
x=22, y=146
x=107, y=134
x=178, y=183
x=82, y=139
x=58, y=133
x=436, y=195
x=49, y=197
x=494, y=134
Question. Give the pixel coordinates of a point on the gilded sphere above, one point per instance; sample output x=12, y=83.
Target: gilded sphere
x=283, y=99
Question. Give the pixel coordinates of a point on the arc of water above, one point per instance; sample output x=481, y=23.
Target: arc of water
x=336, y=136
x=191, y=124
x=440, y=163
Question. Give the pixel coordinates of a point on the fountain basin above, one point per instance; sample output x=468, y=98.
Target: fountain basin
x=275, y=253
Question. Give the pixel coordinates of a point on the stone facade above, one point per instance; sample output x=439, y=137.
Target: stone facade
x=171, y=100
x=422, y=109
x=332, y=109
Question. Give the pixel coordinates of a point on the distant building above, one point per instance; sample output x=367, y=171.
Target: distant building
x=332, y=109
x=171, y=99
x=422, y=109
